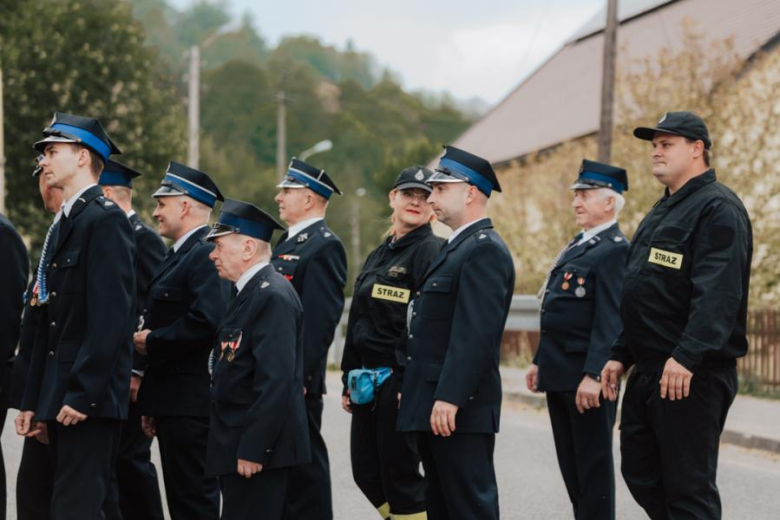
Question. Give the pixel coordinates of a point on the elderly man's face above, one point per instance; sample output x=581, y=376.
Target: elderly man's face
x=228, y=256
x=593, y=207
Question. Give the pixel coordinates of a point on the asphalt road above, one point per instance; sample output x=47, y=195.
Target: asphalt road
x=530, y=486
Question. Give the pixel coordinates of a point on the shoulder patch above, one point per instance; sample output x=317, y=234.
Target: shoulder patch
x=138, y=227
x=617, y=239
x=264, y=285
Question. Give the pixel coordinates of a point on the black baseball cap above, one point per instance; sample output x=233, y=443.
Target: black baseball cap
x=413, y=177
x=685, y=124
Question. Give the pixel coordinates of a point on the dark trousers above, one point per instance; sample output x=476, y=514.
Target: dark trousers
x=3, y=490
x=309, y=490
x=460, y=478
x=261, y=497
x=583, y=443
x=670, y=448
x=385, y=462
x=190, y=494
x=139, y=489
x=35, y=482
x=83, y=456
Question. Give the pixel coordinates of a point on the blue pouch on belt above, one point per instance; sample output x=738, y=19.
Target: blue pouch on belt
x=364, y=383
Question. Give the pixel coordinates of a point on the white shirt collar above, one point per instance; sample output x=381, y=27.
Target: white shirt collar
x=184, y=237
x=460, y=230
x=300, y=226
x=248, y=274
x=592, y=232
x=67, y=206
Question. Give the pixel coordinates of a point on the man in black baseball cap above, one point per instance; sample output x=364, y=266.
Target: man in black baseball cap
x=684, y=315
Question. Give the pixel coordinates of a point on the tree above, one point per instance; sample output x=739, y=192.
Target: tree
x=94, y=64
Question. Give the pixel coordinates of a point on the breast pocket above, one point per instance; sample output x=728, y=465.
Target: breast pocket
x=63, y=274
x=287, y=265
x=668, y=254
x=436, y=301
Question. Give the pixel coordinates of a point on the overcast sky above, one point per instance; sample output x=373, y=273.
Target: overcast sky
x=467, y=47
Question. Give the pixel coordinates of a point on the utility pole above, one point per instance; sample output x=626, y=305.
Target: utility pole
x=193, y=155
x=608, y=83
x=281, y=135
x=2, y=146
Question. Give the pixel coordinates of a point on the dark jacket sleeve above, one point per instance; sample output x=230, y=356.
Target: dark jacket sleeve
x=111, y=294
x=322, y=296
x=14, y=269
x=423, y=257
x=150, y=251
x=606, y=318
x=721, y=259
x=199, y=324
x=478, y=323
x=274, y=339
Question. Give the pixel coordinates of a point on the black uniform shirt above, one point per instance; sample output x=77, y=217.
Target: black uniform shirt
x=377, y=318
x=685, y=291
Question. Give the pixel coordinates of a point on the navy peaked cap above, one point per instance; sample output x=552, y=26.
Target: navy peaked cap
x=243, y=218
x=303, y=175
x=183, y=180
x=461, y=166
x=86, y=131
x=594, y=175
x=117, y=174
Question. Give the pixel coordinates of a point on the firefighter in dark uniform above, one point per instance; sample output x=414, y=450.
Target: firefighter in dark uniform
x=385, y=462
x=79, y=379
x=138, y=488
x=186, y=299
x=35, y=479
x=14, y=270
x=684, y=312
x=451, y=390
x=258, y=425
x=580, y=319
x=313, y=259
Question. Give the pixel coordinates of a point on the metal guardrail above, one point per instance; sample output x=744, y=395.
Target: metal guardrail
x=523, y=316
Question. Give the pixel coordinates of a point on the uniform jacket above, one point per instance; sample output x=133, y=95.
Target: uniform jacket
x=83, y=351
x=376, y=331
x=21, y=366
x=685, y=292
x=579, y=326
x=257, y=404
x=150, y=251
x=186, y=300
x=14, y=271
x=456, y=324
x=315, y=262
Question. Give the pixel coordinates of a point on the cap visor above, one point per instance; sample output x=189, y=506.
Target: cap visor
x=167, y=191
x=584, y=186
x=288, y=184
x=41, y=145
x=411, y=185
x=440, y=176
x=647, y=134
x=218, y=231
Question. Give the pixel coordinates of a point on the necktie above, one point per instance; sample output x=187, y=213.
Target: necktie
x=571, y=245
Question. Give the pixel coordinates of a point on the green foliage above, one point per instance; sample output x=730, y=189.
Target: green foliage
x=94, y=63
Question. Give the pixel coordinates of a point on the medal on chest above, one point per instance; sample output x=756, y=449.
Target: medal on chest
x=230, y=346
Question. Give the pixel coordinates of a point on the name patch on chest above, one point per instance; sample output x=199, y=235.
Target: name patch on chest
x=393, y=294
x=665, y=258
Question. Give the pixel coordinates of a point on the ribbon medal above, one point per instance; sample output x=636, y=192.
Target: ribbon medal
x=231, y=347
x=566, y=278
x=580, y=291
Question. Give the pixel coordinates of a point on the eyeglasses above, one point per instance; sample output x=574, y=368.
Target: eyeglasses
x=418, y=195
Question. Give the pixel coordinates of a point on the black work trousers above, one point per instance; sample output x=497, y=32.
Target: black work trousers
x=669, y=448
x=385, y=462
